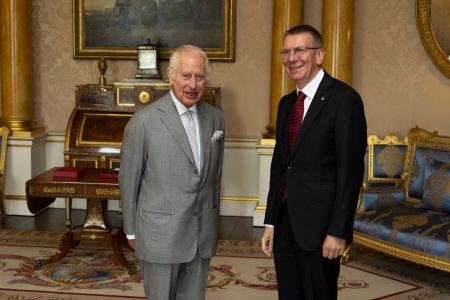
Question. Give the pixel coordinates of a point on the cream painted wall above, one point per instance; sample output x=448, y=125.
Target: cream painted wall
x=244, y=84
x=400, y=85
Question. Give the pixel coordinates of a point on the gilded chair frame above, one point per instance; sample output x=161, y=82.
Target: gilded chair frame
x=4, y=133
x=417, y=137
x=389, y=139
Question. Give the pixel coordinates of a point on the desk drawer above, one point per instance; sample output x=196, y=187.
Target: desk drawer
x=48, y=190
x=103, y=192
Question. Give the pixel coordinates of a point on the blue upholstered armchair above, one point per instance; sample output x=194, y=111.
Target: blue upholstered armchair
x=4, y=132
x=385, y=169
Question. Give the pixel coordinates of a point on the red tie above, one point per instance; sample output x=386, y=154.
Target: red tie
x=294, y=127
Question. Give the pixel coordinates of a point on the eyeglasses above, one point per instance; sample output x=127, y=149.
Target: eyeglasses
x=299, y=51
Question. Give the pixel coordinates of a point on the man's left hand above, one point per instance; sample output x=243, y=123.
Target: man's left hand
x=333, y=247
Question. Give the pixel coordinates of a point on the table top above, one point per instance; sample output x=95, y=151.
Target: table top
x=91, y=177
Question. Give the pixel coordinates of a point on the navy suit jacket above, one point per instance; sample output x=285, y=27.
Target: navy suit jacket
x=325, y=170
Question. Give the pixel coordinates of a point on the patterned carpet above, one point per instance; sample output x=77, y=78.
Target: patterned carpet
x=239, y=271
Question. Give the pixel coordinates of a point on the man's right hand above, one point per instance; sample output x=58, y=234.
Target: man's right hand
x=267, y=241
x=132, y=243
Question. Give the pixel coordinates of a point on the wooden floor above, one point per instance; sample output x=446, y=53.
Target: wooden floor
x=230, y=228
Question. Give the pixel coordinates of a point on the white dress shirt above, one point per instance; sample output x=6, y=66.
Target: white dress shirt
x=310, y=91
x=184, y=118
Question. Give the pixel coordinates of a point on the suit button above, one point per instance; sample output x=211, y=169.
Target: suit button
x=289, y=167
x=195, y=214
x=195, y=172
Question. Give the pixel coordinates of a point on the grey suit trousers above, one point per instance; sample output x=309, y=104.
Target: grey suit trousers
x=185, y=281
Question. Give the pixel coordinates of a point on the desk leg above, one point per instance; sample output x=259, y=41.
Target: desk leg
x=67, y=243
x=117, y=240
x=69, y=214
x=120, y=209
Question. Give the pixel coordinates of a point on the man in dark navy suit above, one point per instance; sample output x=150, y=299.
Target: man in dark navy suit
x=316, y=173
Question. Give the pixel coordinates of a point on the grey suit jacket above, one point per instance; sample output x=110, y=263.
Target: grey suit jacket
x=170, y=208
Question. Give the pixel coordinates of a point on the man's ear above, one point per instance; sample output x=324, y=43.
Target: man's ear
x=170, y=77
x=320, y=55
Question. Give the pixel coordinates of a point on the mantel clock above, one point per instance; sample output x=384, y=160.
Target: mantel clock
x=148, y=62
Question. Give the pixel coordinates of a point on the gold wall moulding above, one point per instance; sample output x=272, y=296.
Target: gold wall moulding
x=239, y=199
x=428, y=38
x=90, y=43
x=16, y=197
x=240, y=147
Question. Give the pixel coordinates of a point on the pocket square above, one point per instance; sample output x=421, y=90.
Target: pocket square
x=217, y=136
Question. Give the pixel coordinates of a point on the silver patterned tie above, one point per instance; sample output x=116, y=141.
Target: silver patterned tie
x=192, y=136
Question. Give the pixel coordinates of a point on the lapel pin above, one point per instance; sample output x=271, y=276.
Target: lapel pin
x=323, y=98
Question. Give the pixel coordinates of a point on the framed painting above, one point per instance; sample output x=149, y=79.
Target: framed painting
x=113, y=29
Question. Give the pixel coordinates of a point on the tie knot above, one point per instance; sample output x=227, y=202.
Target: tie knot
x=301, y=96
x=189, y=114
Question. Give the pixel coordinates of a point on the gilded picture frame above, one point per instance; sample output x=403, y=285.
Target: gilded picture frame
x=428, y=38
x=114, y=29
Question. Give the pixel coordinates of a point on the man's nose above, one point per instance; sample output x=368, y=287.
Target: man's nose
x=192, y=83
x=292, y=56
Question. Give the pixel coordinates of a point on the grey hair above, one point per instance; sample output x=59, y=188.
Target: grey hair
x=317, y=37
x=188, y=49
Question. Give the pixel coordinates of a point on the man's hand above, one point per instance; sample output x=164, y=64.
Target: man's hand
x=267, y=241
x=333, y=247
x=132, y=243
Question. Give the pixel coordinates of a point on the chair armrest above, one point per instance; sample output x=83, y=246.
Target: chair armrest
x=372, y=198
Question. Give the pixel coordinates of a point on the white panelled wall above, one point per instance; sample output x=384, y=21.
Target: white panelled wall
x=245, y=176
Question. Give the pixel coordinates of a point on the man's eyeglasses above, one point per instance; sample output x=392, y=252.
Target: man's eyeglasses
x=299, y=51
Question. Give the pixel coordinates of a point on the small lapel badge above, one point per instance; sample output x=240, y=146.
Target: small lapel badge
x=217, y=136
x=323, y=98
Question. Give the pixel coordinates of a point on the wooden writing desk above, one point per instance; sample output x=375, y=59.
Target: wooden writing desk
x=43, y=189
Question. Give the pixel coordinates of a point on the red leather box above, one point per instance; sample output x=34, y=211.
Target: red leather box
x=112, y=175
x=71, y=172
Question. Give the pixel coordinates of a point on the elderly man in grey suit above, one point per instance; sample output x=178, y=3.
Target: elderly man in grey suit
x=169, y=178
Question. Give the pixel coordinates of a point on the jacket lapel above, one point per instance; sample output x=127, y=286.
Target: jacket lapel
x=205, y=124
x=320, y=98
x=172, y=120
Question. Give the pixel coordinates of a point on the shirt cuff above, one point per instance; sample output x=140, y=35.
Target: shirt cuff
x=131, y=236
x=269, y=225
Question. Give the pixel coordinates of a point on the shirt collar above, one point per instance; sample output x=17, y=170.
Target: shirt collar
x=311, y=88
x=180, y=107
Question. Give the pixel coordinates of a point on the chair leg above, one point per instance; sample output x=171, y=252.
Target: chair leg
x=346, y=255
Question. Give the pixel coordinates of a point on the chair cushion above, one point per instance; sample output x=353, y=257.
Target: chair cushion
x=411, y=227
x=436, y=190
x=389, y=160
x=377, y=198
x=417, y=172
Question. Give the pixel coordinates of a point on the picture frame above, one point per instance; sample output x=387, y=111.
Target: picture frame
x=113, y=29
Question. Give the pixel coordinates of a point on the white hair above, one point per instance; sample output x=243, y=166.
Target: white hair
x=188, y=49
